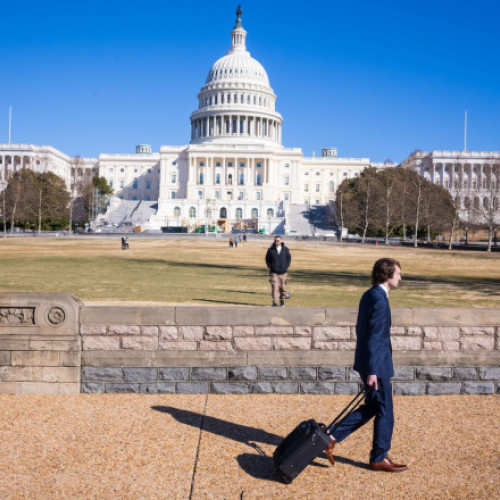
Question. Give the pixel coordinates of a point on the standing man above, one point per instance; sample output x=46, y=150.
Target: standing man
x=373, y=362
x=278, y=260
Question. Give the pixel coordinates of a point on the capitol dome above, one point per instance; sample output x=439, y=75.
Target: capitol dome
x=237, y=102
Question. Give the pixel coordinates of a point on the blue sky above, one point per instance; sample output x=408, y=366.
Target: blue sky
x=375, y=79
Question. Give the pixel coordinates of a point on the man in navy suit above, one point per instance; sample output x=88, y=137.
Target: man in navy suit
x=373, y=362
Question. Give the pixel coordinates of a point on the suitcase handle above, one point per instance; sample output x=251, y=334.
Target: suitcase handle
x=355, y=402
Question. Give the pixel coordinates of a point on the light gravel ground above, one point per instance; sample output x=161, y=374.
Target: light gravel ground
x=129, y=446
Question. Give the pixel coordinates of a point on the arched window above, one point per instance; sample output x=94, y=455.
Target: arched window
x=259, y=181
x=486, y=203
x=239, y=213
x=270, y=212
x=223, y=213
x=255, y=213
x=476, y=202
x=177, y=211
x=192, y=212
x=466, y=202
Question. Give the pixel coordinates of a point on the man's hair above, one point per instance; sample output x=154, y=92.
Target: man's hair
x=384, y=270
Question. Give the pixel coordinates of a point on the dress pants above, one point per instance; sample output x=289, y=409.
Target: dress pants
x=377, y=404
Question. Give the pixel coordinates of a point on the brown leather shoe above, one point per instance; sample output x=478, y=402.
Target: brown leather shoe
x=388, y=465
x=329, y=451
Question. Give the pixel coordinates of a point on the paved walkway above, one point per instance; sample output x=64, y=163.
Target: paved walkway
x=129, y=446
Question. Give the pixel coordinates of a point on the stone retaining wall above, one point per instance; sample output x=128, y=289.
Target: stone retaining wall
x=234, y=349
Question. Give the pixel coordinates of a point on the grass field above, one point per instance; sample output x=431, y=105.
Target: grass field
x=206, y=271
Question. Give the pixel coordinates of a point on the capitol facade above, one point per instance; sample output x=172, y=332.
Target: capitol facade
x=234, y=172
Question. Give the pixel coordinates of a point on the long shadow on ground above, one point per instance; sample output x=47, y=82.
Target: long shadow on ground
x=259, y=466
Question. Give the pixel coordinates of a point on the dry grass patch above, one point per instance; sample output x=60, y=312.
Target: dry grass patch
x=206, y=271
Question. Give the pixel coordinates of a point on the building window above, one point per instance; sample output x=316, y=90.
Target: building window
x=239, y=213
x=230, y=164
x=192, y=212
x=255, y=213
x=149, y=170
x=201, y=178
x=223, y=213
x=287, y=196
x=270, y=212
x=217, y=164
x=259, y=165
x=217, y=178
x=177, y=211
x=287, y=180
x=287, y=165
x=110, y=184
x=148, y=198
x=122, y=170
x=242, y=164
x=134, y=198
x=134, y=184
x=230, y=179
x=174, y=178
x=242, y=179
x=217, y=195
x=122, y=184
x=318, y=186
x=259, y=181
x=258, y=195
x=202, y=164
x=306, y=187
x=172, y=195
x=331, y=186
x=200, y=195
x=240, y=195
x=148, y=185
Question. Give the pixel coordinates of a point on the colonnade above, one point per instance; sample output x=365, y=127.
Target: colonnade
x=227, y=171
x=236, y=125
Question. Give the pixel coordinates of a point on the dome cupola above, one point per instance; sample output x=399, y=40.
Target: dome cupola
x=236, y=103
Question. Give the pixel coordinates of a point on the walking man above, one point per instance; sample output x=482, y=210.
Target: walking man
x=373, y=362
x=278, y=260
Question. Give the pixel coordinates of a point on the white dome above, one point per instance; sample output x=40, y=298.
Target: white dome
x=238, y=66
x=236, y=103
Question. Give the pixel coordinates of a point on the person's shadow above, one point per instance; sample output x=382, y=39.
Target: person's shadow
x=258, y=465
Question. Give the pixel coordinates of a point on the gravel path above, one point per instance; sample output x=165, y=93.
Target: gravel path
x=129, y=446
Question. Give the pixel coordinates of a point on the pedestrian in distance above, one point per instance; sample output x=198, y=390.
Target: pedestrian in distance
x=125, y=245
x=278, y=259
x=373, y=362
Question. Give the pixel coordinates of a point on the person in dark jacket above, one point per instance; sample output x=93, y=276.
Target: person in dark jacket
x=373, y=362
x=278, y=259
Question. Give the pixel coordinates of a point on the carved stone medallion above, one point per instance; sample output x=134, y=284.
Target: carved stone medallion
x=56, y=316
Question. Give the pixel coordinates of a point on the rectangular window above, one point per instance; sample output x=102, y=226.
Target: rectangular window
x=317, y=187
x=306, y=188
x=172, y=195
x=257, y=195
x=122, y=184
x=148, y=185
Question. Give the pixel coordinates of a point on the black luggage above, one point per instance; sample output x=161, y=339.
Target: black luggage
x=306, y=442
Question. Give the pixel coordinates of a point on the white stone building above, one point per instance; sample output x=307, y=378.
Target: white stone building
x=472, y=177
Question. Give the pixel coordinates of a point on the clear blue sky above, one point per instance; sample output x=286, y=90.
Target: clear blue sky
x=375, y=79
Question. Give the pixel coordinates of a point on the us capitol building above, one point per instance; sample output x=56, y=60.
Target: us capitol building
x=235, y=170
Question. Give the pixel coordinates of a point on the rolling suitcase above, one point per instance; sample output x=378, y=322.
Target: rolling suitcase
x=307, y=441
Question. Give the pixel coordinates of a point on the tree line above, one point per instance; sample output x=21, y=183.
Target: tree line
x=395, y=202
x=41, y=201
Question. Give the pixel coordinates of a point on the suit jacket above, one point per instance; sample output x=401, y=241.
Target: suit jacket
x=373, y=354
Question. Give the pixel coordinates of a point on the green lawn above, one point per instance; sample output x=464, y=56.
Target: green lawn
x=206, y=271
